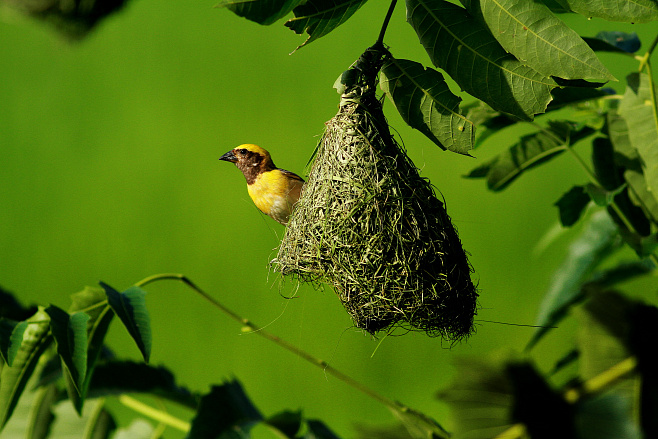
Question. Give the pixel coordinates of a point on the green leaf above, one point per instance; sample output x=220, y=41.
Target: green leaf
x=600, y=196
x=606, y=416
x=101, y=424
x=639, y=111
x=318, y=430
x=117, y=377
x=263, y=12
x=224, y=412
x=572, y=205
x=529, y=31
x=630, y=11
x=13, y=380
x=641, y=195
x=563, y=97
x=614, y=41
x=598, y=239
x=11, y=337
x=287, y=423
x=94, y=302
x=70, y=333
x=41, y=414
x=464, y=48
x=130, y=307
x=419, y=425
x=426, y=103
x=530, y=151
x=319, y=17
x=625, y=155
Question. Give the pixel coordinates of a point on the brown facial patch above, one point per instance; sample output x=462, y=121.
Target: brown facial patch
x=252, y=163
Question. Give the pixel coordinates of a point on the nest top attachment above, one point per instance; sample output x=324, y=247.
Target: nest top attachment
x=368, y=224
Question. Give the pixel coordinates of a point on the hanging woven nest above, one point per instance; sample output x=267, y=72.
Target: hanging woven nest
x=369, y=225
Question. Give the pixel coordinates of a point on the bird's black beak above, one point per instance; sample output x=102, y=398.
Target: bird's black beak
x=229, y=157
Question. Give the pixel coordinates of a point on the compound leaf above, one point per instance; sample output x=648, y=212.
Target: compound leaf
x=261, y=11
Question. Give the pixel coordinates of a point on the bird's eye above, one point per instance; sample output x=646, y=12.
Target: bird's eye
x=243, y=151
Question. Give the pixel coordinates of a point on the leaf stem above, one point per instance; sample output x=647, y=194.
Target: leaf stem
x=153, y=413
x=275, y=339
x=387, y=19
x=644, y=60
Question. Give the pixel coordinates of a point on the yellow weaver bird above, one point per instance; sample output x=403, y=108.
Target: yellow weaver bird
x=273, y=190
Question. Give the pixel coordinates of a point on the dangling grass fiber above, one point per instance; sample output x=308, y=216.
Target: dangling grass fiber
x=369, y=225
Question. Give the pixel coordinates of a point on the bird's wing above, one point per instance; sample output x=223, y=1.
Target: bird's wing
x=291, y=175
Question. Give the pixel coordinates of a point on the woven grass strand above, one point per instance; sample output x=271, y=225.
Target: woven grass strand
x=369, y=225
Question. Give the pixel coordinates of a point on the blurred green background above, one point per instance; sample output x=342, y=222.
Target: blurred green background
x=109, y=172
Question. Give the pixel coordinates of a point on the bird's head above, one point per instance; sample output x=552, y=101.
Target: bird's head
x=250, y=159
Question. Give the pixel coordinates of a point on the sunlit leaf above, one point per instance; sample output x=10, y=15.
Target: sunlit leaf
x=425, y=102
x=530, y=151
x=319, y=17
x=529, y=31
x=130, y=307
x=600, y=196
x=70, y=334
x=639, y=111
x=261, y=11
x=41, y=415
x=225, y=409
x=11, y=337
x=598, y=239
x=464, y=48
x=138, y=429
x=13, y=380
x=94, y=422
x=572, y=205
x=631, y=11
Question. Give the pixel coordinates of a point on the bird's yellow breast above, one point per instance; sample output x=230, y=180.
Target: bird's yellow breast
x=275, y=193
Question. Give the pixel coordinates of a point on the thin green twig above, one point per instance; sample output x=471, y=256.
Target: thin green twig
x=273, y=338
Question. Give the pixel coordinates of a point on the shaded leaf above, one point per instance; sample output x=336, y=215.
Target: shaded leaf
x=261, y=11
x=318, y=430
x=487, y=120
x=529, y=31
x=226, y=411
x=597, y=240
x=639, y=111
x=572, y=205
x=641, y=195
x=419, y=425
x=117, y=377
x=11, y=337
x=101, y=423
x=566, y=360
x=36, y=339
x=94, y=302
x=530, y=151
x=130, y=307
x=625, y=155
x=621, y=272
x=10, y=308
x=489, y=395
x=630, y=11
x=575, y=95
x=319, y=17
x=288, y=423
x=464, y=48
x=426, y=103
x=606, y=416
x=614, y=41
x=70, y=334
